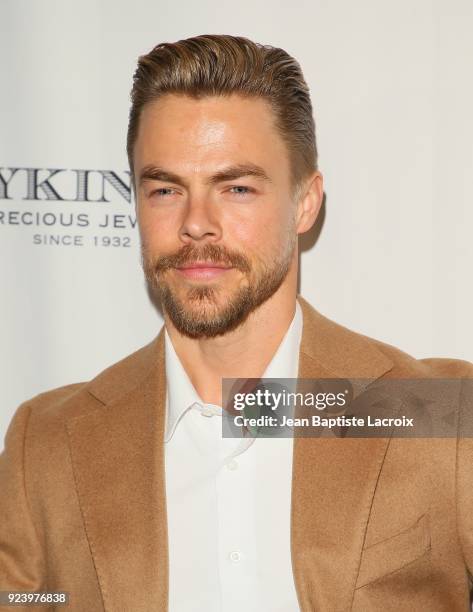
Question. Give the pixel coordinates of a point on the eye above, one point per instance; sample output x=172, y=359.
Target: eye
x=240, y=190
x=162, y=192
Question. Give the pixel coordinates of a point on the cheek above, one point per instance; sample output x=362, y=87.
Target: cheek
x=247, y=236
x=157, y=231
x=272, y=218
x=262, y=229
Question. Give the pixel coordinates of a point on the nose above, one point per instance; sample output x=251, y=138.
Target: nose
x=200, y=222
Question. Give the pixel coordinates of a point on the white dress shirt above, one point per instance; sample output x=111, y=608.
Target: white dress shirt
x=228, y=501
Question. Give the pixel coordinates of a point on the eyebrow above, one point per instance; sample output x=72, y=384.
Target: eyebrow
x=155, y=173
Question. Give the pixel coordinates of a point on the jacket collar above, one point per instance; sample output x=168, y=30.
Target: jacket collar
x=338, y=351
x=330, y=348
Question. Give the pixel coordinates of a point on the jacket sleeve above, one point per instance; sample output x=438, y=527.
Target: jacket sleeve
x=464, y=477
x=21, y=558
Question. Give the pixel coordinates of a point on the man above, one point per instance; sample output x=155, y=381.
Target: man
x=122, y=490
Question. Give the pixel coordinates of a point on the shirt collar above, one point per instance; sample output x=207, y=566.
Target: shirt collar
x=181, y=394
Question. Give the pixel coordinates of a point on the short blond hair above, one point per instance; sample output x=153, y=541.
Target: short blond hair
x=215, y=65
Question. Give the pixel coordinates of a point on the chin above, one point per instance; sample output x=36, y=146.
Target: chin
x=200, y=294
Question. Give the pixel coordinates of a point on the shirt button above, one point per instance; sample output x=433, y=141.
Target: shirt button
x=235, y=556
x=206, y=412
x=232, y=464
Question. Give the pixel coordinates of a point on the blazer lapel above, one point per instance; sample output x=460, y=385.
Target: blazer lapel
x=333, y=479
x=117, y=454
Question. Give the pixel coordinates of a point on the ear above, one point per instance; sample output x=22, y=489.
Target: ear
x=309, y=202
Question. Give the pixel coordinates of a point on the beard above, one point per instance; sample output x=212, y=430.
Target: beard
x=200, y=313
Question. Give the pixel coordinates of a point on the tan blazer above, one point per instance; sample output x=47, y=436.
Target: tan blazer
x=377, y=525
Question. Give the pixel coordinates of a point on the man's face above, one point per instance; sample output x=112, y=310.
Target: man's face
x=215, y=209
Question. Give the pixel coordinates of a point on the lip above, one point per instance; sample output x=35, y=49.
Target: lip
x=203, y=270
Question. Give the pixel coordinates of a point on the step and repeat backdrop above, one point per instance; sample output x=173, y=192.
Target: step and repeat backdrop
x=392, y=254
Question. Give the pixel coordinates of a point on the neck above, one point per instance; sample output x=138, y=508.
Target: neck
x=242, y=353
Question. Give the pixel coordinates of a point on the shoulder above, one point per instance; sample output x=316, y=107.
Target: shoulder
x=52, y=407
x=345, y=349
x=445, y=367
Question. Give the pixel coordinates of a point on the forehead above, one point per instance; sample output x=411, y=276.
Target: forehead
x=196, y=135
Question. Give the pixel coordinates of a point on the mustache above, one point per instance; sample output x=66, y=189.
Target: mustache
x=213, y=253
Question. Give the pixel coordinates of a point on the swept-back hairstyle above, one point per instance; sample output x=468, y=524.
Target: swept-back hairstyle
x=219, y=65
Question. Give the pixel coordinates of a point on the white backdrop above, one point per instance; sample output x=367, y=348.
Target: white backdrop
x=392, y=91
